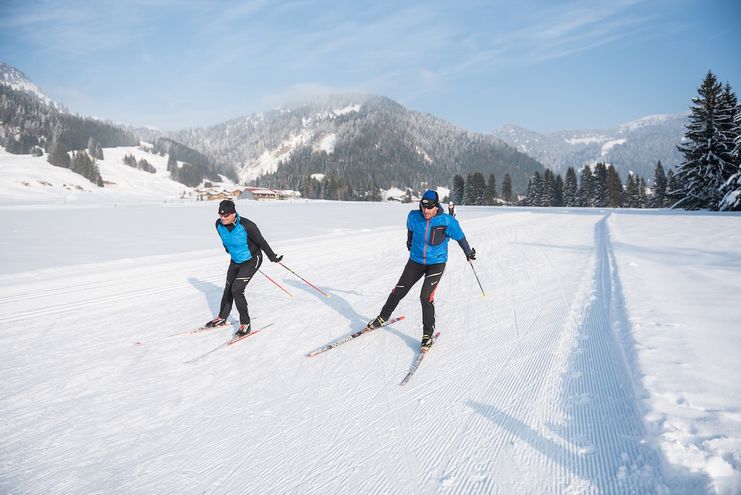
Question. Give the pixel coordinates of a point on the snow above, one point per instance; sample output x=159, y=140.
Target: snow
x=587, y=140
x=32, y=180
x=603, y=358
x=611, y=144
x=327, y=143
x=648, y=120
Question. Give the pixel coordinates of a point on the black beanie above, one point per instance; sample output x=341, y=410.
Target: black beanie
x=226, y=207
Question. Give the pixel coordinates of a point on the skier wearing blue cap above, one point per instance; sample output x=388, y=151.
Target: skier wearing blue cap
x=428, y=230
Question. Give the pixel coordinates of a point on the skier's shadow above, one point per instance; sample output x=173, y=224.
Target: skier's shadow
x=344, y=308
x=211, y=291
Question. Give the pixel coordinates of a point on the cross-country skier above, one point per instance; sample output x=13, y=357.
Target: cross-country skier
x=428, y=232
x=451, y=209
x=243, y=241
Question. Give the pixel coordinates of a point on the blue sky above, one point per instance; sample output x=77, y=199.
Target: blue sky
x=539, y=64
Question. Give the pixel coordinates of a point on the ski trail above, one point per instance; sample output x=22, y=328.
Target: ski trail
x=582, y=424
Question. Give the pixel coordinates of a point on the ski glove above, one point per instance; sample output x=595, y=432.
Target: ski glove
x=276, y=258
x=472, y=255
x=409, y=245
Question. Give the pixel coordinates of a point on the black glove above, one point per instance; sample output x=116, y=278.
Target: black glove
x=472, y=255
x=276, y=258
x=409, y=245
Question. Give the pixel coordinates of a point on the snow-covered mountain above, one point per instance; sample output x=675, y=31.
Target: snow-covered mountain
x=362, y=139
x=635, y=146
x=17, y=80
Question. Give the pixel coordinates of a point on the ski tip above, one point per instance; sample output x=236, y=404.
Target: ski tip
x=402, y=317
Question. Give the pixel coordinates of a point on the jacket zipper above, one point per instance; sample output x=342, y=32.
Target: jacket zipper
x=424, y=252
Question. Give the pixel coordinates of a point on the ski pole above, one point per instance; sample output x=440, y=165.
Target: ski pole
x=302, y=278
x=477, y=278
x=276, y=283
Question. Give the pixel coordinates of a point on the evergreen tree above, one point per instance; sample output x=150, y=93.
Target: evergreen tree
x=558, y=191
x=642, y=198
x=586, y=187
x=478, y=189
x=535, y=191
x=456, y=195
x=631, y=192
x=600, y=186
x=659, y=187
x=707, y=147
x=548, y=187
x=615, y=195
x=507, y=189
x=570, y=196
x=673, y=189
x=732, y=187
x=491, y=190
x=58, y=155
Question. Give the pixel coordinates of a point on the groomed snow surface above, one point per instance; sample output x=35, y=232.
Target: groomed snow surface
x=603, y=359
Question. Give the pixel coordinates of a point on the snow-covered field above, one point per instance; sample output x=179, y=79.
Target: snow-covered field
x=604, y=358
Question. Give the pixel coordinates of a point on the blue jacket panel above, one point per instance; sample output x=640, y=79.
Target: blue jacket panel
x=235, y=241
x=430, y=237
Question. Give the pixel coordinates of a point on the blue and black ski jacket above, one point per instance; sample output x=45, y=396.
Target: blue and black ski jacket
x=427, y=240
x=243, y=240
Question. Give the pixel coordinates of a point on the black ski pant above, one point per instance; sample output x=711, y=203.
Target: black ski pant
x=237, y=277
x=413, y=271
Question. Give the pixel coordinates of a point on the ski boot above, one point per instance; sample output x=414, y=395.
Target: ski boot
x=427, y=341
x=243, y=330
x=216, y=322
x=375, y=323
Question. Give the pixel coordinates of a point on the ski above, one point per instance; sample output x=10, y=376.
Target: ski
x=417, y=362
x=350, y=337
x=186, y=332
x=229, y=342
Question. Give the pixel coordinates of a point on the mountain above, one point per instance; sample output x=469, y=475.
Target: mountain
x=361, y=141
x=18, y=81
x=32, y=123
x=636, y=146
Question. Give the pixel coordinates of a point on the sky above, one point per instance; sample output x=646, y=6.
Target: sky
x=543, y=65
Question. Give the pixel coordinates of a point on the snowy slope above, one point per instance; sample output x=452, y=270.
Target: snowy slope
x=582, y=371
x=25, y=179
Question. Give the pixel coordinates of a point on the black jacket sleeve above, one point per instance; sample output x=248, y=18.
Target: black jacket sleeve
x=463, y=243
x=255, y=240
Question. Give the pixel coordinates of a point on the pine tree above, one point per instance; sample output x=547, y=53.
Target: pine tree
x=491, y=190
x=600, y=186
x=732, y=187
x=456, y=195
x=535, y=191
x=58, y=155
x=631, y=192
x=478, y=189
x=558, y=191
x=642, y=198
x=570, y=195
x=548, y=186
x=586, y=187
x=707, y=148
x=615, y=194
x=672, y=189
x=507, y=189
x=659, y=187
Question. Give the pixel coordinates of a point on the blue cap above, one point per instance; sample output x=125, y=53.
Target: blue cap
x=429, y=199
